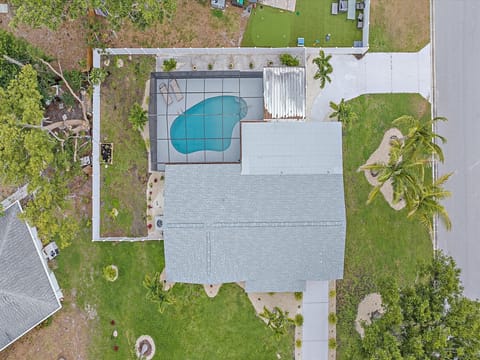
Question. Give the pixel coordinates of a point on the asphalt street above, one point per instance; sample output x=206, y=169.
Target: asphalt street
x=457, y=96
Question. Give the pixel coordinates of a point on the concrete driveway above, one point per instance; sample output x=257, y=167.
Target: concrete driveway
x=375, y=73
x=457, y=80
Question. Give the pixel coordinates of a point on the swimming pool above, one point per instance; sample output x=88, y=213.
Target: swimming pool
x=208, y=125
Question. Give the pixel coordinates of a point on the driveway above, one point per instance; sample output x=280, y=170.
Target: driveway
x=456, y=54
x=375, y=73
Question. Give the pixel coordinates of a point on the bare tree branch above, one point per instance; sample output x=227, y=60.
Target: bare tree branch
x=60, y=74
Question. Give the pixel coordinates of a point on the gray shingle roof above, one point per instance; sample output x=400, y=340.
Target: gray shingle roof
x=26, y=295
x=221, y=226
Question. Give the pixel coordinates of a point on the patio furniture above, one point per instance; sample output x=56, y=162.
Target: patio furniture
x=351, y=10
x=343, y=5
x=176, y=89
x=301, y=41
x=359, y=24
x=360, y=5
x=334, y=8
x=164, y=91
x=360, y=16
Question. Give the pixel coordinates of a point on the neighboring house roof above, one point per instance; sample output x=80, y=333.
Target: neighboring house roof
x=272, y=148
x=284, y=92
x=272, y=231
x=26, y=294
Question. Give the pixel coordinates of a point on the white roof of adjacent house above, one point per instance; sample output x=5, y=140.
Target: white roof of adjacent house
x=272, y=231
x=27, y=296
x=285, y=148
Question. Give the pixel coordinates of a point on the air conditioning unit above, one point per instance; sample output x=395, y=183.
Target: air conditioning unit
x=159, y=222
x=51, y=251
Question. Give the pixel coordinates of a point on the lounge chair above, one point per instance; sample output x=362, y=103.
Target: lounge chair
x=176, y=89
x=343, y=6
x=360, y=24
x=164, y=91
x=360, y=5
x=334, y=8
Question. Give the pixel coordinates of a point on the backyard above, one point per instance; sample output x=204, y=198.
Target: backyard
x=312, y=20
x=399, y=25
x=380, y=242
x=193, y=327
x=123, y=183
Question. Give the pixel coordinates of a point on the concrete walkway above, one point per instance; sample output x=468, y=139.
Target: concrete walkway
x=375, y=73
x=18, y=195
x=315, y=321
x=288, y=5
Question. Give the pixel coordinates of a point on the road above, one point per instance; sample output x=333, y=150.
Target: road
x=457, y=97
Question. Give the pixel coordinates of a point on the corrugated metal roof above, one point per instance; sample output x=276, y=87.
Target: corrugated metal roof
x=26, y=295
x=221, y=226
x=283, y=148
x=284, y=92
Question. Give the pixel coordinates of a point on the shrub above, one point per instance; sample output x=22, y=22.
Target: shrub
x=298, y=296
x=169, y=65
x=110, y=273
x=299, y=320
x=332, y=318
x=251, y=65
x=97, y=76
x=332, y=293
x=298, y=343
x=137, y=116
x=289, y=60
x=332, y=343
x=75, y=79
x=210, y=66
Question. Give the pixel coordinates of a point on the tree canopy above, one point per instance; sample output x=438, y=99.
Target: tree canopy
x=431, y=319
x=51, y=14
x=29, y=155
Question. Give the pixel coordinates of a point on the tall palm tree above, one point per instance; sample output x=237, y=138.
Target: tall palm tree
x=403, y=172
x=324, y=68
x=420, y=138
x=425, y=205
x=342, y=112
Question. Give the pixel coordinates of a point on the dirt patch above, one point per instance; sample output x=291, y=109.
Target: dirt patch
x=6, y=191
x=369, y=308
x=66, y=336
x=399, y=25
x=192, y=26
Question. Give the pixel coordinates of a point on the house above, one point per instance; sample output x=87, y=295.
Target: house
x=29, y=292
x=274, y=220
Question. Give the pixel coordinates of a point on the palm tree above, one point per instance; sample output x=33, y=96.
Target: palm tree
x=155, y=293
x=324, y=68
x=425, y=205
x=342, y=112
x=420, y=138
x=277, y=320
x=405, y=173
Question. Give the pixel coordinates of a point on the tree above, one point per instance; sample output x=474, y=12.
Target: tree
x=420, y=138
x=137, y=116
x=403, y=172
x=430, y=319
x=324, y=68
x=289, y=60
x=342, y=112
x=51, y=14
x=426, y=204
x=155, y=292
x=277, y=320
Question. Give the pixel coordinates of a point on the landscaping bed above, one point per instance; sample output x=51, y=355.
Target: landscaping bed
x=380, y=241
x=312, y=20
x=123, y=183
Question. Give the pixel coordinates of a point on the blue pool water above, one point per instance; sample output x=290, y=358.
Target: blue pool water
x=207, y=125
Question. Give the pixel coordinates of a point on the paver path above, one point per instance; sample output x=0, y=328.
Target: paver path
x=281, y=4
x=375, y=73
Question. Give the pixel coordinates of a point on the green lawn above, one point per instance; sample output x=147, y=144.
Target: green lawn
x=380, y=241
x=195, y=327
x=123, y=184
x=270, y=27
